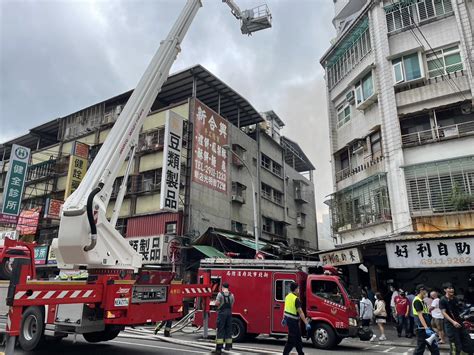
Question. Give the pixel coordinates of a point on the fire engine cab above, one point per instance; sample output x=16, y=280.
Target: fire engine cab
x=260, y=288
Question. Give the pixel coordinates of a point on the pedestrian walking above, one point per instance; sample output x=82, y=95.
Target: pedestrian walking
x=459, y=339
x=401, y=312
x=392, y=300
x=422, y=323
x=380, y=314
x=224, y=302
x=366, y=311
x=411, y=316
x=291, y=318
x=437, y=318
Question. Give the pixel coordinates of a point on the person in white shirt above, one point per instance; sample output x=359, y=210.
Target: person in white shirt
x=366, y=311
x=392, y=300
x=380, y=314
x=437, y=318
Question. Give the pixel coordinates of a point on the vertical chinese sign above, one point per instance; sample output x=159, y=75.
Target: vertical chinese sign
x=77, y=167
x=170, y=178
x=15, y=183
x=209, y=155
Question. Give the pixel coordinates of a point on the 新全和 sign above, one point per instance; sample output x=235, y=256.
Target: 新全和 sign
x=170, y=178
x=15, y=181
x=431, y=253
x=209, y=155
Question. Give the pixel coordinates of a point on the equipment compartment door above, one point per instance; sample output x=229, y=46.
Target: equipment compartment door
x=280, y=287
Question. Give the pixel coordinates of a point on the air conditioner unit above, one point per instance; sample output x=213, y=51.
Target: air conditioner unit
x=358, y=147
x=238, y=198
x=350, y=97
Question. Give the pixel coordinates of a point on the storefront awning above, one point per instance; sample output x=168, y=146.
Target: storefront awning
x=246, y=242
x=210, y=252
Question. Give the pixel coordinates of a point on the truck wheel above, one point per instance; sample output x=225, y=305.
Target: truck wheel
x=109, y=333
x=6, y=269
x=323, y=336
x=94, y=337
x=238, y=330
x=32, y=328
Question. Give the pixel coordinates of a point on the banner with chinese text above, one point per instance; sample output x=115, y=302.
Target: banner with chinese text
x=423, y=253
x=150, y=248
x=170, y=178
x=15, y=182
x=209, y=156
x=341, y=257
x=53, y=208
x=28, y=221
x=41, y=254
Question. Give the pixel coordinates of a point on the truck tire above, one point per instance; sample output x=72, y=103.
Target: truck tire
x=251, y=336
x=323, y=336
x=238, y=330
x=31, y=329
x=6, y=269
x=109, y=333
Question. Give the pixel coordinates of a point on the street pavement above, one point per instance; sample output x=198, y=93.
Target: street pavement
x=142, y=342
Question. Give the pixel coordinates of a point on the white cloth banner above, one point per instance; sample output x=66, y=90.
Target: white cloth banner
x=424, y=253
x=170, y=178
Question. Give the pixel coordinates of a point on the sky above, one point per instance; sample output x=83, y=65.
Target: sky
x=59, y=56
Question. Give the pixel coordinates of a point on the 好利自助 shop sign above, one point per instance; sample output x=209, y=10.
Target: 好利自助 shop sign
x=423, y=253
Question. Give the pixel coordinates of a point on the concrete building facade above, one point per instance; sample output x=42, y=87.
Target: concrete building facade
x=275, y=166
x=400, y=88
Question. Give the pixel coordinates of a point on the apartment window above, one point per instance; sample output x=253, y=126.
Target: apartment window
x=364, y=89
x=405, y=14
x=407, y=68
x=267, y=225
x=376, y=143
x=266, y=191
x=238, y=227
x=300, y=220
x=276, y=169
x=266, y=162
x=444, y=61
x=279, y=228
x=440, y=187
x=278, y=197
x=171, y=228
x=340, y=64
x=343, y=115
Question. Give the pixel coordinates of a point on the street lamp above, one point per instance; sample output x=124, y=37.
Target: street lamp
x=254, y=197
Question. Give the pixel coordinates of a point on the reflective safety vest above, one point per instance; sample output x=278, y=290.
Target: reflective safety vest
x=290, y=306
x=425, y=307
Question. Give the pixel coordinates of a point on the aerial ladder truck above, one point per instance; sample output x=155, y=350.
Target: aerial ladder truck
x=119, y=291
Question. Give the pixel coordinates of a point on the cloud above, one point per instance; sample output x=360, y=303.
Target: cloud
x=59, y=56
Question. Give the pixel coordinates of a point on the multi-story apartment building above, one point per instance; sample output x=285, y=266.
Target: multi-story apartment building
x=255, y=153
x=399, y=78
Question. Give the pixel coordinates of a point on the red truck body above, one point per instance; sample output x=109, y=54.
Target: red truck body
x=11, y=249
x=260, y=288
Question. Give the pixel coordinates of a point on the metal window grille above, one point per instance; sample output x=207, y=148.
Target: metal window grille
x=266, y=162
x=349, y=53
x=444, y=61
x=440, y=187
x=402, y=15
x=41, y=170
x=361, y=204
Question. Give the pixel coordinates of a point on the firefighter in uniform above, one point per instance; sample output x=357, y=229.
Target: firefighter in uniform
x=291, y=318
x=167, y=324
x=224, y=303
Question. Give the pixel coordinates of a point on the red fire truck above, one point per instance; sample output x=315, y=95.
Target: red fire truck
x=9, y=250
x=260, y=287
x=119, y=289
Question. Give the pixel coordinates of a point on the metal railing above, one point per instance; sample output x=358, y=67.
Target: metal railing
x=346, y=172
x=438, y=134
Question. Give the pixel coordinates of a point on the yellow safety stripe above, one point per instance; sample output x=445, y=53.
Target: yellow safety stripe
x=228, y=341
x=219, y=341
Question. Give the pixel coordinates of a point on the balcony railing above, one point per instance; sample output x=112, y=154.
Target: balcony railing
x=439, y=134
x=346, y=172
x=428, y=81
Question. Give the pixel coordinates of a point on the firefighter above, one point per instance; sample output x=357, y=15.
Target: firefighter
x=291, y=318
x=167, y=325
x=224, y=303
